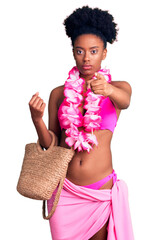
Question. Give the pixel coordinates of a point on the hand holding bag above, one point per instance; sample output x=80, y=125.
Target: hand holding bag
x=43, y=171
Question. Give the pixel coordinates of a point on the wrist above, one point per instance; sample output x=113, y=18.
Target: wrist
x=37, y=121
x=111, y=90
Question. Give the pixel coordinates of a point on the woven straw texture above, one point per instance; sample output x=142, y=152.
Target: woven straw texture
x=42, y=171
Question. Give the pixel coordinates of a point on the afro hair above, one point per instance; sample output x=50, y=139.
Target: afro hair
x=87, y=20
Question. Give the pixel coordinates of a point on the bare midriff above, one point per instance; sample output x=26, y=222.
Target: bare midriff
x=86, y=168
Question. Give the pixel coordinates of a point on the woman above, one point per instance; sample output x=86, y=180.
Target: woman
x=83, y=114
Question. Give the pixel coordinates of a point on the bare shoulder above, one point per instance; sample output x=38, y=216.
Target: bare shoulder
x=123, y=85
x=57, y=91
x=56, y=95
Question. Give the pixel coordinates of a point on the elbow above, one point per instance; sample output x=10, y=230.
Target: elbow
x=127, y=99
x=122, y=95
x=125, y=104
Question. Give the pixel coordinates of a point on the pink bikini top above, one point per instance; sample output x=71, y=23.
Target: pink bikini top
x=108, y=115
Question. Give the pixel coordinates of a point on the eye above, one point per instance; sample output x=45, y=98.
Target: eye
x=79, y=52
x=94, y=51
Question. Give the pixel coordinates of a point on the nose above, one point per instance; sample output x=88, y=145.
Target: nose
x=86, y=57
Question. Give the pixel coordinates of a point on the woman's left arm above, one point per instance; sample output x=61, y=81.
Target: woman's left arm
x=120, y=94
x=118, y=91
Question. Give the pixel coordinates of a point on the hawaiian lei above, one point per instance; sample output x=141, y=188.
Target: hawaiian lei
x=70, y=116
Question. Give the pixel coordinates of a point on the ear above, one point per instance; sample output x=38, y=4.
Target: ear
x=104, y=53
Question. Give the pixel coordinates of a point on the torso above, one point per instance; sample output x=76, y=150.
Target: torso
x=86, y=168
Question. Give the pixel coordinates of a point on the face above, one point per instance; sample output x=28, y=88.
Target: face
x=88, y=53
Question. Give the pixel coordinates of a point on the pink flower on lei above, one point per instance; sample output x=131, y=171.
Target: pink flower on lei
x=80, y=140
x=73, y=74
x=93, y=101
x=92, y=118
x=76, y=138
x=76, y=85
x=74, y=81
x=106, y=74
x=72, y=96
x=68, y=115
x=91, y=138
x=91, y=121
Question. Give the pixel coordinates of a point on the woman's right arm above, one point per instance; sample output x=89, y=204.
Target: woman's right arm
x=37, y=107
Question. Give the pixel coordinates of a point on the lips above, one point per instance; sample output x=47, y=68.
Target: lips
x=87, y=67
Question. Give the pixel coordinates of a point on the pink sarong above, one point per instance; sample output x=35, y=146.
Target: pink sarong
x=81, y=212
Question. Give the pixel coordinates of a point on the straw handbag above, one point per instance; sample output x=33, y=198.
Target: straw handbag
x=43, y=171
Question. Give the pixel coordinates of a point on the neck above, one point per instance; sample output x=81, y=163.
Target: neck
x=86, y=77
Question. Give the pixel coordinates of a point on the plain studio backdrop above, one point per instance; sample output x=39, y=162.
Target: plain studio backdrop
x=36, y=55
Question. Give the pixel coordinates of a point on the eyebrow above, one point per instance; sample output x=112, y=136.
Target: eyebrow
x=90, y=47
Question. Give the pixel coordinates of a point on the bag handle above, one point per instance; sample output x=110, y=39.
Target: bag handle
x=55, y=201
x=54, y=142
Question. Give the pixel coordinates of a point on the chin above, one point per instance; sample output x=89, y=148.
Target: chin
x=87, y=72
